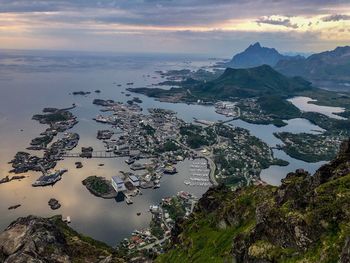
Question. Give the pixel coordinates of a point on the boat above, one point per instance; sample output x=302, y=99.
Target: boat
x=130, y=161
x=137, y=166
x=100, y=119
x=170, y=170
x=156, y=186
x=49, y=179
x=109, y=149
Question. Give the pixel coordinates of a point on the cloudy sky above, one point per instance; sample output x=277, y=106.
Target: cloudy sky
x=215, y=27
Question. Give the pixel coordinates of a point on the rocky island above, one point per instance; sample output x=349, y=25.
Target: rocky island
x=100, y=187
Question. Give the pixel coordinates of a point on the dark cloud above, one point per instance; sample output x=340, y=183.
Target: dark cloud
x=336, y=17
x=173, y=12
x=278, y=22
x=119, y=24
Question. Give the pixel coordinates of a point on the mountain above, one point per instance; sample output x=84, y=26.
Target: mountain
x=306, y=219
x=36, y=239
x=256, y=55
x=329, y=65
x=252, y=82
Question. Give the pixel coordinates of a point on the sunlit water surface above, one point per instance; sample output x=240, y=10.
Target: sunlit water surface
x=30, y=81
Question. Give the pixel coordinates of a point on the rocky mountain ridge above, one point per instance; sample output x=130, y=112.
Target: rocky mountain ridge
x=306, y=219
x=256, y=55
x=35, y=239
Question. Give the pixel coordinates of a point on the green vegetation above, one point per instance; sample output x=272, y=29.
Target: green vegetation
x=279, y=107
x=330, y=124
x=328, y=98
x=149, y=129
x=206, y=237
x=240, y=157
x=310, y=147
x=83, y=248
x=99, y=186
x=169, y=146
x=175, y=209
x=251, y=82
x=156, y=229
x=306, y=219
x=233, y=83
x=196, y=136
x=53, y=117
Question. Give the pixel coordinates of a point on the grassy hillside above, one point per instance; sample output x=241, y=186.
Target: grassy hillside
x=306, y=219
x=252, y=82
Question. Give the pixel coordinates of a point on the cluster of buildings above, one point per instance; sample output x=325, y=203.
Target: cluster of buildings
x=229, y=109
x=24, y=162
x=251, y=111
x=311, y=147
x=162, y=222
x=239, y=156
x=139, y=136
x=59, y=120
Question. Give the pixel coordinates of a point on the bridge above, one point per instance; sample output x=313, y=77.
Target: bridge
x=95, y=154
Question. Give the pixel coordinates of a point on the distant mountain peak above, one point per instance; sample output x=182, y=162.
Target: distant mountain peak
x=255, y=45
x=328, y=65
x=257, y=55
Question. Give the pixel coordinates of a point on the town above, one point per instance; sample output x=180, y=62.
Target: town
x=152, y=240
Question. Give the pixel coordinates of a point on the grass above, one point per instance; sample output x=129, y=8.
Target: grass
x=207, y=245
x=206, y=239
x=97, y=184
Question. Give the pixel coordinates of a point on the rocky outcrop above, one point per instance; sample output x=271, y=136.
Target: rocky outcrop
x=100, y=187
x=306, y=219
x=35, y=239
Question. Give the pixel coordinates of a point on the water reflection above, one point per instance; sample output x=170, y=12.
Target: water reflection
x=28, y=85
x=305, y=104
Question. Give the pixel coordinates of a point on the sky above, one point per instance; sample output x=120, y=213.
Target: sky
x=212, y=27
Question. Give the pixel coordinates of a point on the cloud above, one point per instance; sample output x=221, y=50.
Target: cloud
x=164, y=24
x=277, y=21
x=335, y=17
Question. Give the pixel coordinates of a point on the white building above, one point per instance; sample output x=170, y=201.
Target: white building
x=118, y=184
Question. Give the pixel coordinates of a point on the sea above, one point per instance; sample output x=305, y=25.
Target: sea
x=33, y=80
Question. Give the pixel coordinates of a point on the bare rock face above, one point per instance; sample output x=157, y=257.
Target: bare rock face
x=35, y=239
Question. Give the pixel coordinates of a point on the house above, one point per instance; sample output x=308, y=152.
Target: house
x=134, y=180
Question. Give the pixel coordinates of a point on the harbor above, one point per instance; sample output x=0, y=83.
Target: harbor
x=53, y=88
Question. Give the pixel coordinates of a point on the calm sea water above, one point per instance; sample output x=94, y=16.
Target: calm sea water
x=30, y=81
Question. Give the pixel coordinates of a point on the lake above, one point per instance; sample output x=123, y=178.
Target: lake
x=306, y=104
